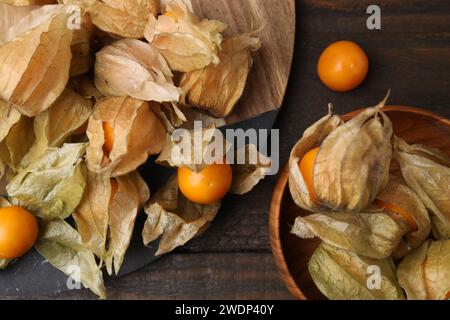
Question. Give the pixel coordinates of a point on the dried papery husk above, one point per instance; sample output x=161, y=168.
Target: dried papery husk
x=35, y=59
x=343, y=275
x=312, y=138
x=440, y=231
x=8, y=118
x=86, y=88
x=10, y=15
x=92, y=214
x=425, y=272
x=135, y=68
x=352, y=165
x=247, y=175
x=199, y=145
x=217, y=88
x=62, y=247
x=105, y=221
x=170, y=114
x=131, y=195
x=174, y=219
x=370, y=234
x=82, y=58
x=427, y=172
x=17, y=143
x=398, y=194
x=187, y=42
x=120, y=18
x=55, y=125
x=52, y=185
x=23, y=3
x=138, y=133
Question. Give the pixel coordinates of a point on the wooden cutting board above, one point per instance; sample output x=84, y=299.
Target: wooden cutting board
x=263, y=96
x=269, y=76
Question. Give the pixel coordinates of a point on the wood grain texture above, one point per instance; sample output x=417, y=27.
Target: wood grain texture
x=269, y=76
x=292, y=253
x=194, y=276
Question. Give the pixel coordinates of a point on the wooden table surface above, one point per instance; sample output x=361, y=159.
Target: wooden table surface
x=232, y=260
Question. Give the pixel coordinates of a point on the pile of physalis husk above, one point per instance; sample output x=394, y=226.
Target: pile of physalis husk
x=380, y=207
x=88, y=91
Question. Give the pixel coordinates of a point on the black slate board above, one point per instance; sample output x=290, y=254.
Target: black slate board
x=31, y=274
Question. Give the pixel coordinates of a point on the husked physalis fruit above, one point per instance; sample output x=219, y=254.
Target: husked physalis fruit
x=123, y=132
x=342, y=166
x=398, y=211
x=207, y=186
x=343, y=66
x=18, y=232
x=307, y=169
x=427, y=172
x=425, y=272
x=109, y=137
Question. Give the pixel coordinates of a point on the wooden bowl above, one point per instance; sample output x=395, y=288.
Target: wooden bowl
x=292, y=253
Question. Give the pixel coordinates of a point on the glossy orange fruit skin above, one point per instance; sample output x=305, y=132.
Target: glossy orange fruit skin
x=207, y=186
x=343, y=66
x=306, y=166
x=18, y=232
x=108, y=131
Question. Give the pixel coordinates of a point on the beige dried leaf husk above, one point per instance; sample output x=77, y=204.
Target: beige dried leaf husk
x=135, y=68
x=437, y=270
x=427, y=172
x=131, y=196
x=17, y=143
x=120, y=18
x=191, y=148
x=8, y=118
x=35, y=59
x=85, y=87
x=91, y=215
x=82, y=59
x=138, y=133
x=10, y=15
x=247, y=175
x=217, y=88
x=370, y=234
x=174, y=218
x=440, y=231
x=425, y=272
x=54, y=126
x=106, y=224
x=312, y=138
x=187, y=42
x=23, y=3
x=170, y=114
x=398, y=194
x=62, y=247
x=344, y=275
x=352, y=165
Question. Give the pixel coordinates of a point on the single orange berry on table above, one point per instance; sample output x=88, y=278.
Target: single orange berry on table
x=109, y=137
x=207, y=186
x=306, y=166
x=18, y=232
x=343, y=66
x=398, y=211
